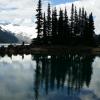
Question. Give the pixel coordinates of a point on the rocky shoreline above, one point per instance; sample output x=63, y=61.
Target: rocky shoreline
x=50, y=50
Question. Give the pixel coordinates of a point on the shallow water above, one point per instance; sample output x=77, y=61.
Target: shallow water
x=48, y=77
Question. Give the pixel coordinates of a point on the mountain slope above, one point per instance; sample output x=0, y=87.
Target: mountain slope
x=23, y=33
x=7, y=37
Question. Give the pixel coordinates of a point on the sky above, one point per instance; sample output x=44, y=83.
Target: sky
x=19, y=15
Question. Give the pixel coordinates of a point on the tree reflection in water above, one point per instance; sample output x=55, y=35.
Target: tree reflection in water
x=71, y=70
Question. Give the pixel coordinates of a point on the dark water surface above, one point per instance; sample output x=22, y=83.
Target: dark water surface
x=48, y=77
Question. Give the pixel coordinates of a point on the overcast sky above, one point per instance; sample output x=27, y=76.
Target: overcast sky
x=22, y=12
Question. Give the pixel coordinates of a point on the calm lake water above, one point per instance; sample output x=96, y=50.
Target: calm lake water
x=46, y=77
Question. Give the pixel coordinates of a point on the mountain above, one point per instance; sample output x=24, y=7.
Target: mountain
x=22, y=38
x=22, y=33
x=7, y=37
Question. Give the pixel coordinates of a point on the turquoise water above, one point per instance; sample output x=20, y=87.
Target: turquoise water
x=48, y=77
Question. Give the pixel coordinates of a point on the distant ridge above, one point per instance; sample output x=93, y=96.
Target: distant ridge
x=7, y=37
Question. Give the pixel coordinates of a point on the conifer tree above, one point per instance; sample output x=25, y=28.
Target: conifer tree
x=39, y=21
x=72, y=20
x=79, y=18
x=66, y=34
x=49, y=21
x=44, y=30
x=54, y=26
x=60, y=27
x=86, y=31
x=91, y=29
x=91, y=25
x=76, y=23
x=82, y=22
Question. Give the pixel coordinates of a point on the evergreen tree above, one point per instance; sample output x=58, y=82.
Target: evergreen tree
x=76, y=22
x=54, y=26
x=39, y=21
x=44, y=30
x=49, y=21
x=79, y=18
x=60, y=27
x=91, y=25
x=76, y=27
x=86, y=32
x=82, y=22
x=91, y=29
x=72, y=20
x=66, y=34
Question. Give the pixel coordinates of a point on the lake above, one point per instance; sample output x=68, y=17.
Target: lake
x=50, y=77
x=14, y=44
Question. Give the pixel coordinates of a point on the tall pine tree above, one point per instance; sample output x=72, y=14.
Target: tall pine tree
x=79, y=19
x=44, y=30
x=49, y=21
x=76, y=23
x=66, y=34
x=85, y=31
x=60, y=27
x=39, y=21
x=91, y=29
x=82, y=23
x=72, y=20
x=54, y=26
x=76, y=27
x=91, y=25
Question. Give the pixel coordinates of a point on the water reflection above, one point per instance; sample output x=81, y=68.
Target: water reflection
x=55, y=72
x=43, y=77
x=16, y=77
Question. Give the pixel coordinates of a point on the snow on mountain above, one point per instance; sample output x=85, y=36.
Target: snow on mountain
x=23, y=33
x=7, y=37
x=27, y=31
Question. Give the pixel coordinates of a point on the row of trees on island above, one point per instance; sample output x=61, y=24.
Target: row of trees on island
x=56, y=28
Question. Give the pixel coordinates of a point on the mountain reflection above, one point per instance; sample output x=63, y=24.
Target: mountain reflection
x=55, y=72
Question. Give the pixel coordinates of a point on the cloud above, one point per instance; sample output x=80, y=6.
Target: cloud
x=14, y=9
x=7, y=8
x=19, y=9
